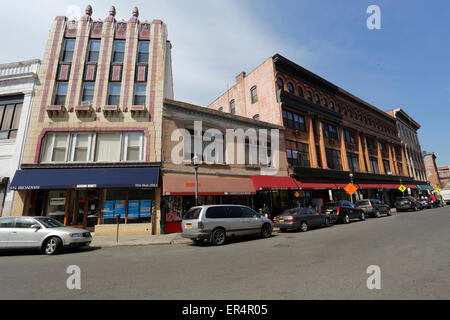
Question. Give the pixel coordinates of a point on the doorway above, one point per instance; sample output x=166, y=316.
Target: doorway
x=85, y=210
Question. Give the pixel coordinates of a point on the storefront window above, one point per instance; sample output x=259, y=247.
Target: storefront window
x=133, y=206
x=56, y=205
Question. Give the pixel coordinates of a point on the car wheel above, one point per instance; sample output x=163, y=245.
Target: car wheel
x=327, y=222
x=218, y=237
x=377, y=214
x=346, y=219
x=304, y=227
x=362, y=217
x=389, y=212
x=266, y=231
x=52, y=245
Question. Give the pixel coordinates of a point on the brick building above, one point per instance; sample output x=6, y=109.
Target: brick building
x=330, y=133
x=93, y=148
x=444, y=176
x=429, y=159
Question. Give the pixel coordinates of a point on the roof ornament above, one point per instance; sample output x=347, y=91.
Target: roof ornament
x=88, y=10
x=135, y=12
x=112, y=11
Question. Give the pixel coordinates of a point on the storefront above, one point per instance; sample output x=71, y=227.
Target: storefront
x=89, y=198
x=179, y=195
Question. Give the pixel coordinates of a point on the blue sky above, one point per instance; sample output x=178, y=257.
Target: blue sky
x=405, y=64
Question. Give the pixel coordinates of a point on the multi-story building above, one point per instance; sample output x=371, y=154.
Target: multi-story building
x=93, y=147
x=17, y=82
x=444, y=176
x=407, y=131
x=429, y=159
x=332, y=137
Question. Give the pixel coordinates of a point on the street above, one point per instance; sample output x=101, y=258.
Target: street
x=412, y=250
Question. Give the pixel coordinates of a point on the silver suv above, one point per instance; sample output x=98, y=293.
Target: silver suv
x=216, y=223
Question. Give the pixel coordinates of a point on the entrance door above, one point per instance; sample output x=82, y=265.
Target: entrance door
x=86, y=209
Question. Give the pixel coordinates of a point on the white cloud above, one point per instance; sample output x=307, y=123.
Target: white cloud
x=212, y=40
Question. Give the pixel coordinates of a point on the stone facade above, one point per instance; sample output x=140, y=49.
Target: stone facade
x=429, y=159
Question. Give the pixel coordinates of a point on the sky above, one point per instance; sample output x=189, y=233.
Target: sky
x=404, y=65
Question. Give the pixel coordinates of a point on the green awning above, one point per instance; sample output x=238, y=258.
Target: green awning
x=424, y=187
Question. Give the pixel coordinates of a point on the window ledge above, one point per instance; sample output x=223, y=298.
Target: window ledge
x=111, y=110
x=138, y=110
x=84, y=110
x=55, y=110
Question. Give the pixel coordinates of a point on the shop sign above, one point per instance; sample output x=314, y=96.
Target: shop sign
x=119, y=207
x=108, y=209
x=57, y=201
x=133, y=208
x=146, y=208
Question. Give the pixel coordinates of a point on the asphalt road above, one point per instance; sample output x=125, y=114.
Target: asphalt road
x=412, y=250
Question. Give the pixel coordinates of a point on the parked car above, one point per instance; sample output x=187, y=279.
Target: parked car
x=44, y=233
x=373, y=207
x=301, y=219
x=216, y=223
x=407, y=203
x=426, y=203
x=343, y=211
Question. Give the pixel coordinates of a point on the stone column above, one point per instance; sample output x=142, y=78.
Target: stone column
x=391, y=159
x=362, y=164
x=344, y=158
x=404, y=168
x=156, y=216
x=380, y=158
x=394, y=156
x=312, y=142
x=366, y=152
x=323, y=154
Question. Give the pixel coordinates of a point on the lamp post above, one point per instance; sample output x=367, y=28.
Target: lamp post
x=196, y=164
x=351, y=181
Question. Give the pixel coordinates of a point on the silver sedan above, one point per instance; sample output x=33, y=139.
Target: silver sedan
x=46, y=234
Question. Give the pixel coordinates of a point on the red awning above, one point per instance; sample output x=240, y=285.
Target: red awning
x=412, y=186
x=389, y=186
x=317, y=185
x=342, y=185
x=274, y=183
x=369, y=186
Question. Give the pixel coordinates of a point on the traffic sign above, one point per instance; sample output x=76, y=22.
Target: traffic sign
x=350, y=189
x=402, y=188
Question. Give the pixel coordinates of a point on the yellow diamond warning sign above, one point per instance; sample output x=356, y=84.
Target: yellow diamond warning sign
x=402, y=188
x=350, y=189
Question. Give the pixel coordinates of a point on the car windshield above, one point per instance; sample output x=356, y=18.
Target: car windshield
x=192, y=214
x=50, y=223
x=362, y=203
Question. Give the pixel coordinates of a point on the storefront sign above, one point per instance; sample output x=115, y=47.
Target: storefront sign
x=146, y=208
x=57, y=201
x=133, y=208
x=119, y=207
x=108, y=209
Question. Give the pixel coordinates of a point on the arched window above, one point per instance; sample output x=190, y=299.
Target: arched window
x=232, y=107
x=339, y=108
x=332, y=106
x=350, y=113
x=221, y=109
x=325, y=102
x=345, y=110
x=256, y=117
x=309, y=95
x=254, y=94
x=317, y=98
x=291, y=87
x=280, y=83
x=300, y=91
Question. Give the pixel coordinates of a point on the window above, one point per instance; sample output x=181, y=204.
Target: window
x=69, y=46
x=294, y=121
x=119, y=51
x=374, y=164
x=114, y=94
x=300, y=91
x=339, y=108
x=140, y=90
x=25, y=223
x=61, y=93
x=353, y=163
x=308, y=93
x=325, y=102
x=371, y=143
x=332, y=106
x=317, y=98
x=349, y=136
x=6, y=222
x=291, y=87
x=9, y=120
x=55, y=147
x=80, y=143
x=350, y=114
x=143, y=50
x=280, y=84
x=108, y=147
x=345, y=111
x=254, y=94
x=88, y=93
x=298, y=154
x=221, y=109
x=333, y=159
x=133, y=146
x=386, y=166
x=217, y=213
x=330, y=131
x=94, y=50
x=232, y=107
x=256, y=117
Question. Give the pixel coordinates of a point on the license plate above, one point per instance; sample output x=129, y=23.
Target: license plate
x=363, y=208
x=189, y=225
x=281, y=220
x=328, y=211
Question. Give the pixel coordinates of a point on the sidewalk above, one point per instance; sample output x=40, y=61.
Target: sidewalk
x=110, y=241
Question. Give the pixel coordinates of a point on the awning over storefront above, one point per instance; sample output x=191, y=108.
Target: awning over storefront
x=368, y=186
x=174, y=184
x=317, y=185
x=389, y=186
x=274, y=183
x=32, y=179
x=424, y=187
x=411, y=186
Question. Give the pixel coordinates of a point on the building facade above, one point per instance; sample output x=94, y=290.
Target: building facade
x=331, y=138
x=93, y=148
x=429, y=159
x=444, y=176
x=17, y=83
x=407, y=131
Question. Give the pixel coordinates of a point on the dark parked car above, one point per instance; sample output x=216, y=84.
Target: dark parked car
x=373, y=207
x=343, y=211
x=426, y=203
x=301, y=219
x=407, y=203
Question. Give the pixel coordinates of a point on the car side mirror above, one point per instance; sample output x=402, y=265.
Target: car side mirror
x=36, y=226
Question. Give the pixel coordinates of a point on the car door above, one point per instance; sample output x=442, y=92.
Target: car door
x=24, y=235
x=238, y=224
x=253, y=220
x=352, y=211
x=6, y=227
x=311, y=217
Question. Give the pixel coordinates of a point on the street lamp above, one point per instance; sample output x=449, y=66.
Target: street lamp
x=196, y=160
x=351, y=180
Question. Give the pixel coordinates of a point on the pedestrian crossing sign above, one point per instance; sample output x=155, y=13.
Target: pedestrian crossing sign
x=402, y=188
